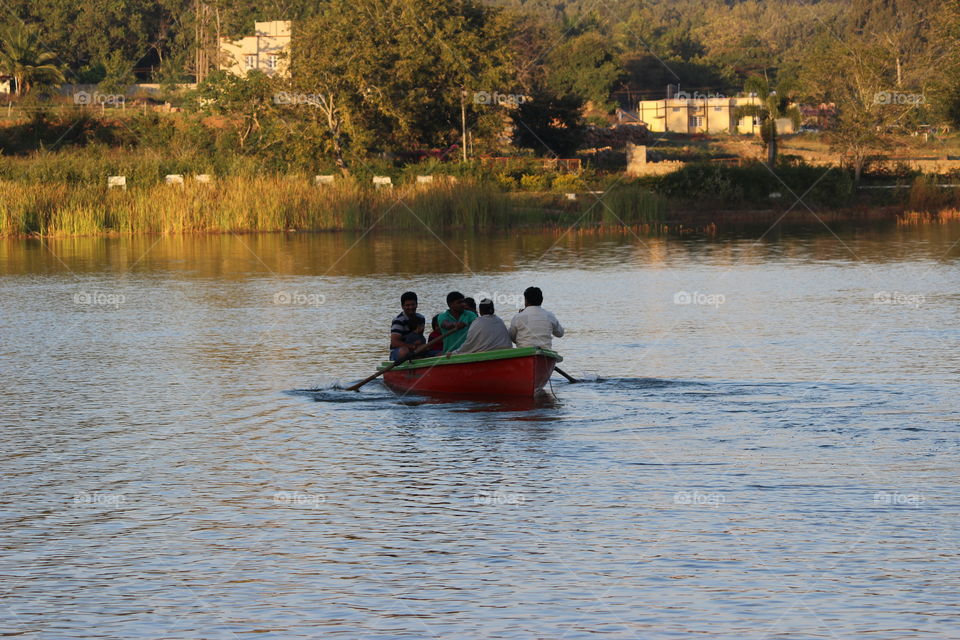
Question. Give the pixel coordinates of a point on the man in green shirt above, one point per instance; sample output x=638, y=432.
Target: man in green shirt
x=455, y=317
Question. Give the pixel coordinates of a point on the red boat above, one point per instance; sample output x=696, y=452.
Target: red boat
x=505, y=372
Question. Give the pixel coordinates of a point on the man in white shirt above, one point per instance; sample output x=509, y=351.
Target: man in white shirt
x=486, y=333
x=534, y=326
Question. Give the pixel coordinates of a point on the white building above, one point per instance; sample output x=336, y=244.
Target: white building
x=267, y=50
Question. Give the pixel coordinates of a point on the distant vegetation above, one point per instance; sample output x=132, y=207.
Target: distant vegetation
x=390, y=77
x=388, y=88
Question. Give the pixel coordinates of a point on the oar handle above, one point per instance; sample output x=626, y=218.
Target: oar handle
x=379, y=373
x=565, y=374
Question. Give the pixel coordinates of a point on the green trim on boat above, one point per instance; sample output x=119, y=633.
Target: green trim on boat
x=483, y=356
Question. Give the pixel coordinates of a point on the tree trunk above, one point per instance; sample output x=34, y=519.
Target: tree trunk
x=338, y=151
x=772, y=144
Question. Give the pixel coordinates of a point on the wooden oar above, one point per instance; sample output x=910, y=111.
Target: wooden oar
x=419, y=349
x=565, y=375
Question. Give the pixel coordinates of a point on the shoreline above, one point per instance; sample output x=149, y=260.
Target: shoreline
x=677, y=222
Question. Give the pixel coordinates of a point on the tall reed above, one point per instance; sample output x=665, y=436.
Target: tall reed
x=248, y=204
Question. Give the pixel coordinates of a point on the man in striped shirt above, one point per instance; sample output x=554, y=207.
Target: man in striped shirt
x=403, y=326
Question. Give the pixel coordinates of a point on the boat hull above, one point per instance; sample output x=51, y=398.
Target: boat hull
x=507, y=372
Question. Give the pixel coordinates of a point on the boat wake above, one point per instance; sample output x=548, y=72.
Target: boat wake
x=337, y=392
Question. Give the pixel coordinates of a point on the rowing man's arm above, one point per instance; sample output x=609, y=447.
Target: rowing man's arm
x=557, y=327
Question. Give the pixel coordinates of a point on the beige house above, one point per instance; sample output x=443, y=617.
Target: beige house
x=702, y=114
x=267, y=50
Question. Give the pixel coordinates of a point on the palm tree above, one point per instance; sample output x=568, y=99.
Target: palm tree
x=24, y=57
x=775, y=103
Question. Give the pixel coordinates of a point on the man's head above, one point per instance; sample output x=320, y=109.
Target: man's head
x=455, y=302
x=532, y=296
x=408, y=302
x=486, y=307
x=470, y=304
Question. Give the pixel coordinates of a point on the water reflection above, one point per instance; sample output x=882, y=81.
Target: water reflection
x=228, y=258
x=186, y=463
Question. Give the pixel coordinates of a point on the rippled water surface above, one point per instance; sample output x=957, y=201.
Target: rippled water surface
x=765, y=444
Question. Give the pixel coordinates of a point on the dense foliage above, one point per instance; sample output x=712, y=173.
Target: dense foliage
x=404, y=76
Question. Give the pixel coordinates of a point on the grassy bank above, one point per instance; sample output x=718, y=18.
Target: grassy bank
x=64, y=193
x=293, y=203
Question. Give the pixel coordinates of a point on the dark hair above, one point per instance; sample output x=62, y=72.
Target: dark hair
x=454, y=296
x=486, y=308
x=471, y=303
x=435, y=323
x=409, y=295
x=533, y=295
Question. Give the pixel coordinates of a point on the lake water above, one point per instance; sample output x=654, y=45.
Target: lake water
x=765, y=444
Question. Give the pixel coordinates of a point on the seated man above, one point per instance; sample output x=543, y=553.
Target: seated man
x=456, y=318
x=404, y=325
x=487, y=333
x=534, y=326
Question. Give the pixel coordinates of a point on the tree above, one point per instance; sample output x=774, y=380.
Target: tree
x=586, y=66
x=551, y=125
x=945, y=90
x=774, y=104
x=250, y=99
x=401, y=76
x=856, y=75
x=23, y=56
x=118, y=74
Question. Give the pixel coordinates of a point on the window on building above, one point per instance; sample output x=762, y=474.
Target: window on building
x=250, y=62
x=696, y=121
x=676, y=109
x=718, y=108
x=272, y=61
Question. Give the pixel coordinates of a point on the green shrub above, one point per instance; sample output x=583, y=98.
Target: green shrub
x=534, y=182
x=753, y=183
x=568, y=182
